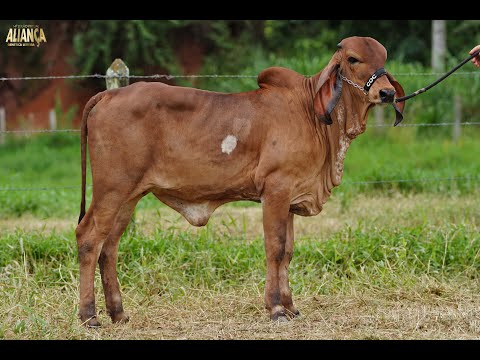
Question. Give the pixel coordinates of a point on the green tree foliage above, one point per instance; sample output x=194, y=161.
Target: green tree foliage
x=148, y=46
x=138, y=42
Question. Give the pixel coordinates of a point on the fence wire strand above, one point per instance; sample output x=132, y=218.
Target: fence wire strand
x=362, y=182
x=39, y=131
x=174, y=76
x=428, y=124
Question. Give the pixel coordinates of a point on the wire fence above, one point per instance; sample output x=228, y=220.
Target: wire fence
x=363, y=182
x=171, y=76
x=40, y=131
x=193, y=76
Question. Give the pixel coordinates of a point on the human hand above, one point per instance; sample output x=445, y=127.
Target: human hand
x=476, y=59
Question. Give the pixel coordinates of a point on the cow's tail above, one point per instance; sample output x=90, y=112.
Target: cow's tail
x=83, y=146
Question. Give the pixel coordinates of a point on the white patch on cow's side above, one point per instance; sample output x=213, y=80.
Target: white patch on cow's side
x=229, y=144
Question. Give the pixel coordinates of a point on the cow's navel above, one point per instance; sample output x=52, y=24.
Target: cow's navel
x=229, y=144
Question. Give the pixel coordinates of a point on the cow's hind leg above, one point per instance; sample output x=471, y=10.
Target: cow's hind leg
x=89, y=242
x=285, y=292
x=108, y=263
x=97, y=239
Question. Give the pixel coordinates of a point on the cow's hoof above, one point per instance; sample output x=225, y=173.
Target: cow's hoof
x=120, y=318
x=294, y=314
x=279, y=316
x=92, y=323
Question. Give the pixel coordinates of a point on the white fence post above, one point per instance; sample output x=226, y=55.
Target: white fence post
x=3, y=125
x=458, y=118
x=379, y=115
x=118, y=68
x=52, y=119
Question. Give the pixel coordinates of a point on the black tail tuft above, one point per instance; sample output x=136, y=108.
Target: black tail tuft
x=82, y=214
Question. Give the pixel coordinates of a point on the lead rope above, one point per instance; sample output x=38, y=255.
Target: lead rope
x=422, y=90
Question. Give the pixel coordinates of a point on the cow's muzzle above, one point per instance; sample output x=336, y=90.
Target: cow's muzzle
x=387, y=95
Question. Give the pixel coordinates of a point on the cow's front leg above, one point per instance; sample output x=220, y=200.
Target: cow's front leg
x=285, y=292
x=275, y=218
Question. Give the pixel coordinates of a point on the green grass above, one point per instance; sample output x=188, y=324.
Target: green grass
x=178, y=258
x=381, y=266
x=52, y=161
x=401, y=155
x=383, y=260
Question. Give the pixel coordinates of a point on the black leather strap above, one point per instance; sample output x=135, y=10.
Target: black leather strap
x=373, y=78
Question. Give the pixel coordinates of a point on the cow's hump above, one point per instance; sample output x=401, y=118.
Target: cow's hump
x=279, y=77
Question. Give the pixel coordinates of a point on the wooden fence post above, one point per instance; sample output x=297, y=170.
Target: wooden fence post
x=120, y=69
x=456, y=132
x=3, y=125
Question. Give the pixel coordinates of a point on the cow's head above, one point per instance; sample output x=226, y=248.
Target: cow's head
x=358, y=64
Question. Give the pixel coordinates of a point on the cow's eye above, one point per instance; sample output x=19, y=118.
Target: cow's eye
x=352, y=60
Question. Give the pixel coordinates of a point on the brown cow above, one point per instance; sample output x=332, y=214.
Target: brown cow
x=282, y=145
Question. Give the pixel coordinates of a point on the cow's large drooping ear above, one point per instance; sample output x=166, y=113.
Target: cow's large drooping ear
x=329, y=89
x=399, y=92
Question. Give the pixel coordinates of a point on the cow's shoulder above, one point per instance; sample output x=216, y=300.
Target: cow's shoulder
x=277, y=76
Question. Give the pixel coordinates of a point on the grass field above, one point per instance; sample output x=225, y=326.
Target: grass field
x=388, y=260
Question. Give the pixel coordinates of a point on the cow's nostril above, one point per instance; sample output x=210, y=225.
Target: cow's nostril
x=387, y=95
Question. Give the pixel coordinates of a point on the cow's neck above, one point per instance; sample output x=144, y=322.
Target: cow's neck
x=334, y=140
x=348, y=116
